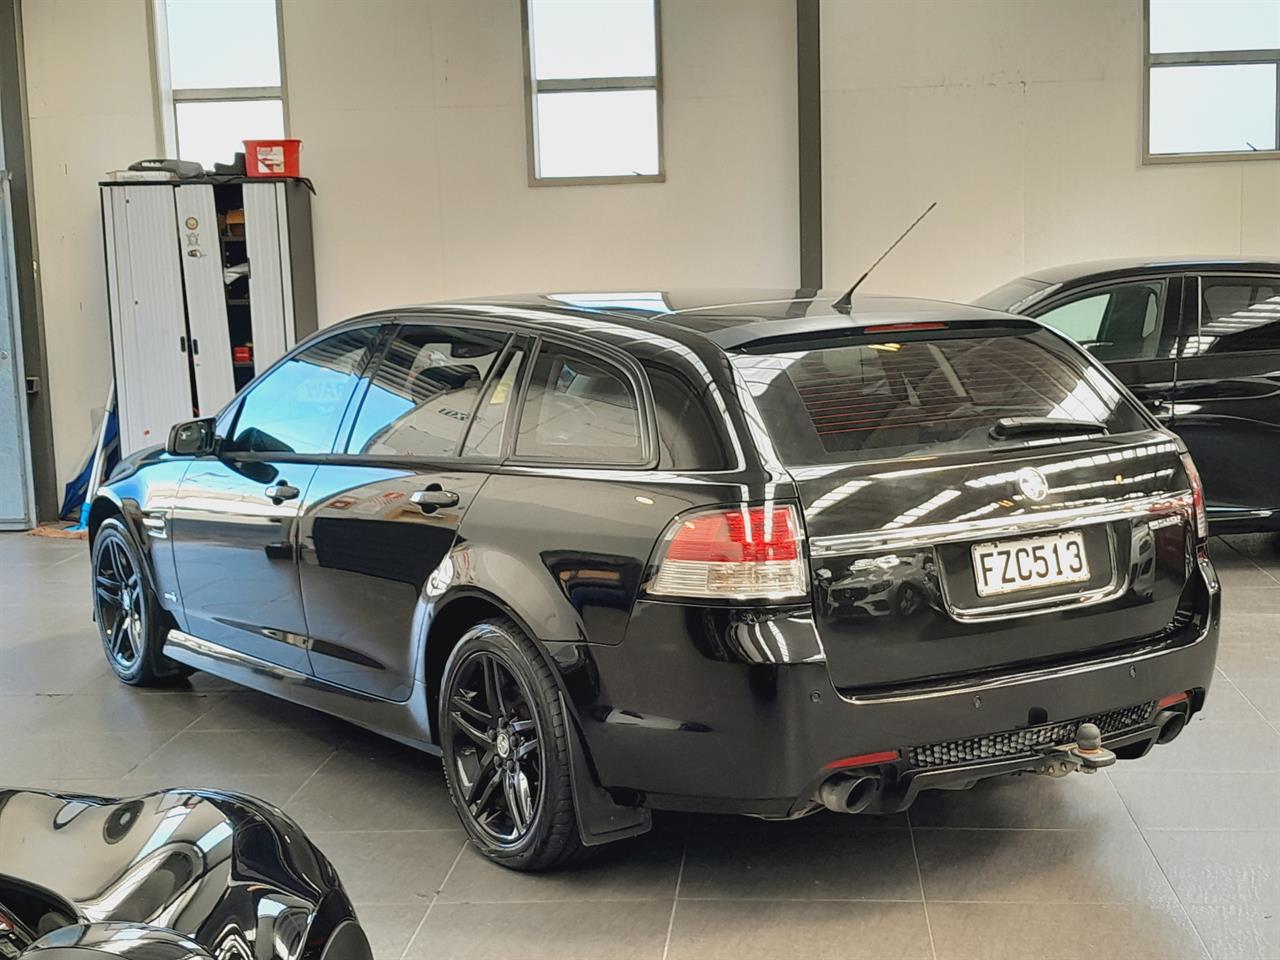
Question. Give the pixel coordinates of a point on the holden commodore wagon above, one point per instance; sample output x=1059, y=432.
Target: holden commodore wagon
x=609, y=554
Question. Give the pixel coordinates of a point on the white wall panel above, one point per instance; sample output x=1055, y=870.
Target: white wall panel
x=263, y=210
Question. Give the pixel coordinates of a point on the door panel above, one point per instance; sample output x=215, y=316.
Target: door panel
x=367, y=553
x=376, y=526
x=206, y=297
x=235, y=554
x=1227, y=400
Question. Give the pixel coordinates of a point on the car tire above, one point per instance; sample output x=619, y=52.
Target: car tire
x=131, y=624
x=506, y=755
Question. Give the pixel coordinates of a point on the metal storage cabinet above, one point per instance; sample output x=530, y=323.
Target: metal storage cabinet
x=177, y=316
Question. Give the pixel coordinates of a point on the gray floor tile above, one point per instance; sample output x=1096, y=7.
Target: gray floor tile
x=124, y=708
x=569, y=930
x=800, y=864
x=734, y=930
x=1264, y=695
x=1241, y=627
x=211, y=755
x=383, y=786
x=389, y=927
x=37, y=757
x=391, y=867
x=1201, y=801
x=1016, y=931
x=1078, y=802
x=643, y=869
x=1251, y=661
x=1039, y=866
x=1226, y=703
x=1220, y=867
x=1238, y=931
x=1213, y=747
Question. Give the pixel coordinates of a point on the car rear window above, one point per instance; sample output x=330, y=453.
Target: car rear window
x=864, y=398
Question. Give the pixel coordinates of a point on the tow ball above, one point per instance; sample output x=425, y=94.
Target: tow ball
x=1087, y=754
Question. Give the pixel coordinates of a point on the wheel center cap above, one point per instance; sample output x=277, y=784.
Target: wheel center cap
x=503, y=743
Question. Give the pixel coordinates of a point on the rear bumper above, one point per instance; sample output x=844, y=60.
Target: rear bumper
x=675, y=723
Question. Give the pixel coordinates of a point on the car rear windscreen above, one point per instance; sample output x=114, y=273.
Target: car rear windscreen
x=865, y=397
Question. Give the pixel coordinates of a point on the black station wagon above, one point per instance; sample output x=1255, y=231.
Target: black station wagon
x=1198, y=342
x=607, y=554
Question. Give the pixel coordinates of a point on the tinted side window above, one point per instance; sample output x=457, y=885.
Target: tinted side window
x=1121, y=322
x=687, y=438
x=1238, y=314
x=297, y=407
x=487, y=426
x=578, y=408
x=424, y=391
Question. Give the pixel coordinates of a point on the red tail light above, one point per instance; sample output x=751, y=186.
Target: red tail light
x=1172, y=698
x=738, y=553
x=1197, y=495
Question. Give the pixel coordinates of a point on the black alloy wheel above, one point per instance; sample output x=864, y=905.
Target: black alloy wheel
x=130, y=622
x=506, y=760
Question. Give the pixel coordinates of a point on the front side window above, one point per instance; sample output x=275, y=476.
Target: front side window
x=1212, y=75
x=298, y=405
x=1121, y=322
x=219, y=75
x=578, y=409
x=593, y=77
x=424, y=392
x=1237, y=314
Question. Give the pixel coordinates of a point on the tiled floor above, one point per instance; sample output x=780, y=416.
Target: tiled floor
x=1177, y=855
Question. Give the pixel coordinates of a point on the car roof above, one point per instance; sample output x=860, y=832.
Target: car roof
x=728, y=318
x=1090, y=270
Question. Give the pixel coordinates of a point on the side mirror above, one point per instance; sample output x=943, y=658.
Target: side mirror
x=194, y=438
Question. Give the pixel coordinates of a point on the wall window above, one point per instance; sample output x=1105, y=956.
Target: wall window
x=593, y=76
x=1212, y=79
x=218, y=65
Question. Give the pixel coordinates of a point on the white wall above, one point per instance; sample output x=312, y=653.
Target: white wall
x=412, y=119
x=89, y=94
x=1024, y=120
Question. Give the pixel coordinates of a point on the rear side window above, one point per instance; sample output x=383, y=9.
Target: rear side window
x=1238, y=314
x=578, y=408
x=687, y=439
x=863, y=399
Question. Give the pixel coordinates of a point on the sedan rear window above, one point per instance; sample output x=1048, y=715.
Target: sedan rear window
x=866, y=398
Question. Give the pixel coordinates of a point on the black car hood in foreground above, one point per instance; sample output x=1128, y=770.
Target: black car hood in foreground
x=226, y=871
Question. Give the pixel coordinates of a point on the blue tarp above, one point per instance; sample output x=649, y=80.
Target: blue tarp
x=73, y=493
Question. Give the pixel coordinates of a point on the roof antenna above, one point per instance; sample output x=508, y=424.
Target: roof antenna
x=845, y=303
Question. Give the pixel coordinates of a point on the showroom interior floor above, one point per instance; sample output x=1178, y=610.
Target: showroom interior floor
x=1177, y=855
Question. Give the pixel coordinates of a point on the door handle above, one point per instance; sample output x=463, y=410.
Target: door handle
x=433, y=498
x=278, y=493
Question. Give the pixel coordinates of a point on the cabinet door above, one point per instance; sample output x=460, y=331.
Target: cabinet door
x=148, y=326
x=270, y=295
x=206, y=298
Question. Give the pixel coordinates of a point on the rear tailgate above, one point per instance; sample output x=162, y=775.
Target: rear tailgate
x=939, y=552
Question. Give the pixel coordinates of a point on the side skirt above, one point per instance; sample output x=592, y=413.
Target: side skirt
x=404, y=721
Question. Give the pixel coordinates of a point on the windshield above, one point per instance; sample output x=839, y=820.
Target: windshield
x=867, y=398
x=1014, y=295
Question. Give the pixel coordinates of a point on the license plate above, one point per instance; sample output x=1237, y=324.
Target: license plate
x=1007, y=566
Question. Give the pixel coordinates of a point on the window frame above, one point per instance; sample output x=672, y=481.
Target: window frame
x=1192, y=59
x=532, y=87
x=1167, y=305
x=168, y=98
x=619, y=363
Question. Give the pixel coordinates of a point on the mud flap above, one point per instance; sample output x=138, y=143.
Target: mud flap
x=600, y=819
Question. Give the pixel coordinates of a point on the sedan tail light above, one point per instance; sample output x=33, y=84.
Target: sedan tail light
x=1197, y=496
x=734, y=553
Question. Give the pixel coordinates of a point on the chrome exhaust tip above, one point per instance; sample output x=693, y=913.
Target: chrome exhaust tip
x=1172, y=726
x=846, y=794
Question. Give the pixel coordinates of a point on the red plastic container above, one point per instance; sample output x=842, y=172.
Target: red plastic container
x=272, y=158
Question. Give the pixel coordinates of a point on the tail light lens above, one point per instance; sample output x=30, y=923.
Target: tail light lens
x=1197, y=496
x=735, y=553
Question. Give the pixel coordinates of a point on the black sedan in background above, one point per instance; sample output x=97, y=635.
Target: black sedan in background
x=1198, y=342
x=615, y=553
